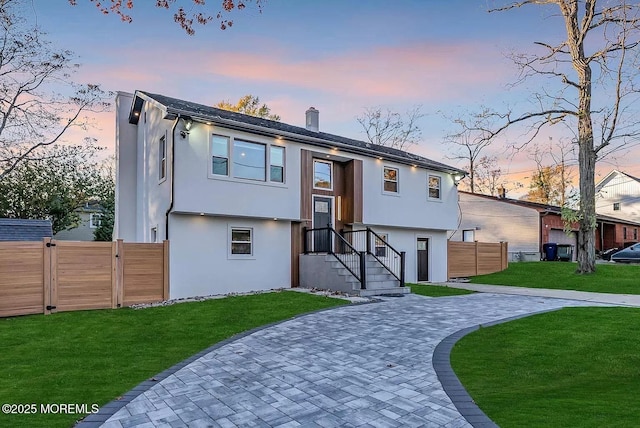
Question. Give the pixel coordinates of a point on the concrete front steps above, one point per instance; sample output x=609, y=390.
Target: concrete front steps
x=324, y=272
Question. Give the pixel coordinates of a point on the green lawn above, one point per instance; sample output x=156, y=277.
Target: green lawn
x=609, y=278
x=94, y=356
x=436, y=290
x=576, y=367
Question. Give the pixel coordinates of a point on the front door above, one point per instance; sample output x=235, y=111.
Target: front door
x=322, y=218
x=423, y=259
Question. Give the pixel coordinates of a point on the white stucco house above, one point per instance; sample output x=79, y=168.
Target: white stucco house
x=236, y=196
x=618, y=195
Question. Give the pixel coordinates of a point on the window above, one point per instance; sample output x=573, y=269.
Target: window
x=390, y=179
x=162, y=158
x=469, y=235
x=249, y=160
x=635, y=234
x=624, y=233
x=276, y=159
x=241, y=243
x=434, y=187
x=380, y=245
x=219, y=155
x=616, y=206
x=95, y=219
x=322, y=175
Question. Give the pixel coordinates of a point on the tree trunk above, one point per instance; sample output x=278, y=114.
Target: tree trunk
x=587, y=166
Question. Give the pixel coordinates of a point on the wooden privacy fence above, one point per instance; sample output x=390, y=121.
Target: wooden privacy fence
x=475, y=258
x=51, y=276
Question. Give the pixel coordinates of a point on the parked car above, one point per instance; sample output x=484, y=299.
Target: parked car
x=606, y=254
x=628, y=255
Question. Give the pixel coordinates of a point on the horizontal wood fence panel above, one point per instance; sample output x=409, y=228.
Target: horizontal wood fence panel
x=21, y=278
x=51, y=276
x=475, y=258
x=143, y=273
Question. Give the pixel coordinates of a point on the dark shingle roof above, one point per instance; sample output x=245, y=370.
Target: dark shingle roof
x=18, y=229
x=176, y=107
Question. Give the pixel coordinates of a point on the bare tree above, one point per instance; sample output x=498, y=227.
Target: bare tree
x=552, y=180
x=488, y=176
x=186, y=13
x=33, y=113
x=473, y=135
x=596, y=68
x=388, y=128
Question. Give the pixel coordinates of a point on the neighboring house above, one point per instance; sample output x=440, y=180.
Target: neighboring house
x=90, y=215
x=618, y=195
x=527, y=226
x=18, y=229
x=233, y=194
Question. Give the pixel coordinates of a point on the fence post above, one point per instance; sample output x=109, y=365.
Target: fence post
x=363, y=270
x=402, y=259
x=120, y=273
x=165, y=290
x=477, y=257
x=114, y=274
x=46, y=276
x=368, y=235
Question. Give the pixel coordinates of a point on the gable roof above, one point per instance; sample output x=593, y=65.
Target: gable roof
x=610, y=175
x=175, y=108
x=544, y=208
x=19, y=229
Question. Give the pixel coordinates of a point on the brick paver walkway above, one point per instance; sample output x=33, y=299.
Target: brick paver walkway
x=357, y=366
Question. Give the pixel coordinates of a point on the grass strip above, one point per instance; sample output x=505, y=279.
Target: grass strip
x=608, y=278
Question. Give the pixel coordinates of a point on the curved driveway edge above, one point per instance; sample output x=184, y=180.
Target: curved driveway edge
x=449, y=380
x=351, y=366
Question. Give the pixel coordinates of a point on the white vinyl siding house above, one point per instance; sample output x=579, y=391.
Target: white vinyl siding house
x=618, y=195
x=239, y=191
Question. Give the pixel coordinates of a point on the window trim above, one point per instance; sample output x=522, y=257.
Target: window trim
x=473, y=235
x=284, y=162
x=211, y=156
x=251, y=242
x=330, y=163
x=432, y=198
x=162, y=160
x=396, y=181
x=92, y=224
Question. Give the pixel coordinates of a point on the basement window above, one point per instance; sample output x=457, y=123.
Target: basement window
x=242, y=241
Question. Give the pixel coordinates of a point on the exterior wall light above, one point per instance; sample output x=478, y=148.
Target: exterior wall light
x=457, y=178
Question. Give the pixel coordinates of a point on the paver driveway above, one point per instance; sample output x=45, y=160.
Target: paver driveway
x=366, y=365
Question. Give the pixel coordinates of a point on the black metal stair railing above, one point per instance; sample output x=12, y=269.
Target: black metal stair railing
x=368, y=241
x=327, y=240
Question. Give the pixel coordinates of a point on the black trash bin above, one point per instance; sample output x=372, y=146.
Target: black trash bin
x=565, y=252
x=550, y=251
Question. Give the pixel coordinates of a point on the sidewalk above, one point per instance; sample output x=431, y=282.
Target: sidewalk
x=585, y=296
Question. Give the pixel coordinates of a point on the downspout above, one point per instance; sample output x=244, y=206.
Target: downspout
x=172, y=185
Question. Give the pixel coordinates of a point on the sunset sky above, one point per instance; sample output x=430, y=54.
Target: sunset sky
x=336, y=55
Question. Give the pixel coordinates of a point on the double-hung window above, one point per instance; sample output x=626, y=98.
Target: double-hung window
x=434, y=186
x=219, y=155
x=241, y=241
x=95, y=219
x=276, y=160
x=390, y=179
